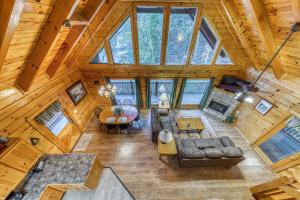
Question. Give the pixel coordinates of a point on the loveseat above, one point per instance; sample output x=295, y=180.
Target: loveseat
x=218, y=152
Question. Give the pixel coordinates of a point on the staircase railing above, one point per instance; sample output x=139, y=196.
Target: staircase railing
x=284, y=188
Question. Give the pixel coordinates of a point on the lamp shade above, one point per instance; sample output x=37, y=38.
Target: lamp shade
x=164, y=97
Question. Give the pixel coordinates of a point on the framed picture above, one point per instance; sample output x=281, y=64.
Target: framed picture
x=77, y=92
x=263, y=106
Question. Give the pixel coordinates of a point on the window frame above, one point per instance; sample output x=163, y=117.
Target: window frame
x=218, y=46
x=168, y=24
x=136, y=31
x=192, y=106
x=92, y=57
x=172, y=95
x=114, y=31
x=226, y=52
x=285, y=163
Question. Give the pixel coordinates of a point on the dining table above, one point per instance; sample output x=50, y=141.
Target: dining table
x=128, y=114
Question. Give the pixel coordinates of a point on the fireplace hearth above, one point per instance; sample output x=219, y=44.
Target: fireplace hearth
x=220, y=104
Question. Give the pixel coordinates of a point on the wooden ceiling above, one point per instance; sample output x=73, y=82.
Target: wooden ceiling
x=37, y=45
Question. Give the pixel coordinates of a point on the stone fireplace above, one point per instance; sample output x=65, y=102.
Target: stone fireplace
x=220, y=104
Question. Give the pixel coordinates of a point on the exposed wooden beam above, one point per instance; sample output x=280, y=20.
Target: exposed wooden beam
x=265, y=32
x=88, y=13
x=94, y=26
x=296, y=10
x=64, y=49
x=77, y=19
x=62, y=10
x=238, y=25
x=10, y=12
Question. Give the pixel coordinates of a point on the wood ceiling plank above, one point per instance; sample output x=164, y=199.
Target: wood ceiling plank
x=62, y=10
x=236, y=21
x=261, y=21
x=296, y=10
x=94, y=26
x=10, y=12
x=88, y=13
x=64, y=49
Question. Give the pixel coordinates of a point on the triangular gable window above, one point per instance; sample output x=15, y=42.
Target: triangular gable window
x=223, y=58
x=206, y=45
x=121, y=44
x=100, y=58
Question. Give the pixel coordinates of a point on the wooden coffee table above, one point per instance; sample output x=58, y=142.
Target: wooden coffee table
x=190, y=124
x=168, y=149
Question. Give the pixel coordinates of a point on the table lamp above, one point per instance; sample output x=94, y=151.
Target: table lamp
x=163, y=98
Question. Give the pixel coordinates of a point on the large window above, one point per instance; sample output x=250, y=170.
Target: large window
x=223, y=58
x=100, y=57
x=180, y=33
x=126, y=91
x=149, y=24
x=206, y=45
x=53, y=118
x=158, y=87
x=194, y=91
x=284, y=143
x=121, y=44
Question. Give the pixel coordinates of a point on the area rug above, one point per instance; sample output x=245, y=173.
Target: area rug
x=83, y=142
x=110, y=187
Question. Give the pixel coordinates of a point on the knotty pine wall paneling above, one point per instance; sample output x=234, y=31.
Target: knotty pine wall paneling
x=283, y=94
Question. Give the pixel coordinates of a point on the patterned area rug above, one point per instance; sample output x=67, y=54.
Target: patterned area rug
x=110, y=187
x=208, y=132
x=83, y=142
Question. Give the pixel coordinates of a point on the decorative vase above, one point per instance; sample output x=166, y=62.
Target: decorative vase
x=165, y=136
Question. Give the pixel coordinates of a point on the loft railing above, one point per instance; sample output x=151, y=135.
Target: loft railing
x=284, y=188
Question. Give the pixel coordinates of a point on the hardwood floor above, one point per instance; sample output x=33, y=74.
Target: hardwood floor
x=135, y=159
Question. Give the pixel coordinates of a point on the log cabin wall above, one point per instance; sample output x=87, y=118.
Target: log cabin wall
x=17, y=106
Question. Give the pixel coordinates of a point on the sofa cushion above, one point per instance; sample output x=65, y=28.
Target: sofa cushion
x=192, y=153
x=187, y=143
x=213, y=153
x=226, y=141
x=232, y=152
x=208, y=143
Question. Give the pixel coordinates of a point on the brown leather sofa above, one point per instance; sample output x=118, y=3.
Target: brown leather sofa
x=218, y=152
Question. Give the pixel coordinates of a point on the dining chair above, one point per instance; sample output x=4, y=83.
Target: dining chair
x=111, y=127
x=127, y=102
x=97, y=112
x=137, y=119
x=123, y=127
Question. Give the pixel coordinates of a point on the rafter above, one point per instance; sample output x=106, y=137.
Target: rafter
x=64, y=49
x=87, y=15
x=62, y=10
x=265, y=32
x=10, y=12
x=241, y=31
x=94, y=26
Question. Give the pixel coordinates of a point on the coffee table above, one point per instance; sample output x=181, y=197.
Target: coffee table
x=190, y=124
x=168, y=149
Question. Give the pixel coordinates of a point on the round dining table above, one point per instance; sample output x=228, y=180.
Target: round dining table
x=129, y=113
